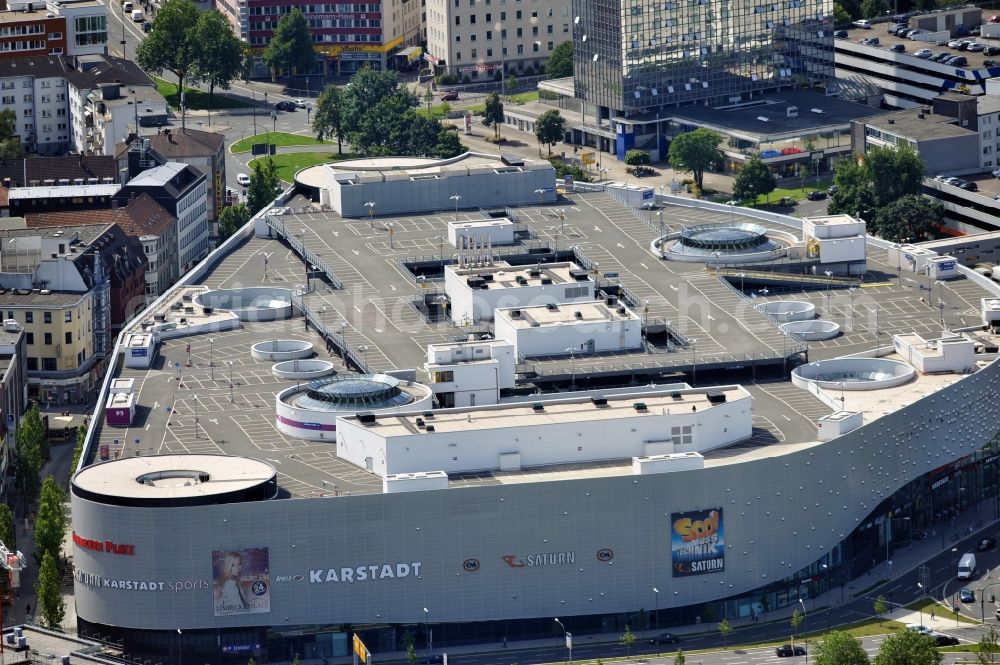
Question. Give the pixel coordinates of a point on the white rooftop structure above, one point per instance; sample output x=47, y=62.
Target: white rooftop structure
x=470, y=373
x=63, y=191
x=566, y=329
x=513, y=436
x=910, y=257
x=491, y=231
x=990, y=309
x=838, y=241
x=948, y=353
x=475, y=291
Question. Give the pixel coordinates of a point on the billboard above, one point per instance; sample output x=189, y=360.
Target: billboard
x=697, y=545
x=241, y=581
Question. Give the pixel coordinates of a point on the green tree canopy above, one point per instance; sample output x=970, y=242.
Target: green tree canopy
x=219, y=57
x=549, y=129
x=911, y=218
x=10, y=142
x=50, y=526
x=627, y=639
x=7, y=527
x=377, y=113
x=695, y=151
x=854, y=193
x=907, y=647
x=880, y=607
x=989, y=648
x=893, y=173
x=328, y=116
x=680, y=659
x=493, y=114
x=31, y=435
x=637, y=157
x=724, y=629
x=231, y=219
x=447, y=144
x=264, y=185
x=753, y=180
x=170, y=46
x=560, y=64
x=48, y=587
x=840, y=648
x=291, y=45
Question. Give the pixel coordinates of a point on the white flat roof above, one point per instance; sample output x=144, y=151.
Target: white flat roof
x=505, y=276
x=62, y=191
x=571, y=313
x=569, y=411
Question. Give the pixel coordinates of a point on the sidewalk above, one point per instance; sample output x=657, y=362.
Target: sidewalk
x=61, y=455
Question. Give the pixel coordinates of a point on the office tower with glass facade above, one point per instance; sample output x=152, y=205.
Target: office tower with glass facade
x=634, y=58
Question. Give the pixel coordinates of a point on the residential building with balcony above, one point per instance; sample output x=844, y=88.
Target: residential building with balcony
x=54, y=27
x=107, y=97
x=480, y=39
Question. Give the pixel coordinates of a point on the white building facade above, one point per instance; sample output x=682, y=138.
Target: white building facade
x=35, y=89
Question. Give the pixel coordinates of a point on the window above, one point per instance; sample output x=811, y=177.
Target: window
x=29, y=317
x=69, y=337
x=444, y=377
x=458, y=20
x=68, y=318
x=47, y=317
x=48, y=339
x=518, y=15
x=472, y=19
x=474, y=55
x=48, y=364
x=32, y=364
x=10, y=314
x=29, y=338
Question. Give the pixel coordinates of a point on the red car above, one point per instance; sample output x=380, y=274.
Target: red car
x=449, y=96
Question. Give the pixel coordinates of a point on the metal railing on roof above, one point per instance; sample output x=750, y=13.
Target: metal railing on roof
x=298, y=245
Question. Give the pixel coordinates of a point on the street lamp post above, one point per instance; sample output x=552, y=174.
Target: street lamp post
x=850, y=292
x=803, y=604
x=572, y=359
x=427, y=631
x=392, y=230
x=569, y=639
x=716, y=256
x=742, y=276
x=231, y=400
x=371, y=210
x=694, y=361
x=828, y=274
x=456, y=198
x=211, y=356
x=656, y=617
x=659, y=219
x=195, y=398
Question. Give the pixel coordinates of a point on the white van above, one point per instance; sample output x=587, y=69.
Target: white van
x=966, y=566
x=126, y=6
x=137, y=16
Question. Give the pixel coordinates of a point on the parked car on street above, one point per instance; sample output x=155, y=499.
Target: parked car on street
x=285, y=105
x=788, y=651
x=449, y=96
x=966, y=595
x=816, y=195
x=665, y=638
x=243, y=179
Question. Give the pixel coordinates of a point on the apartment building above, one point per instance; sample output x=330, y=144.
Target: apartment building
x=35, y=88
x=60, y=296
x=478, y=38
x=206, y=151
x=107, y=97
x=51, y=184
x=13, y=395
x=182, y=190
x=149, y=225
x=57, y=27
x=347, y=36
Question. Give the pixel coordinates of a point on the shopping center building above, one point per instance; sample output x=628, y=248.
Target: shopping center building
x=596, y=483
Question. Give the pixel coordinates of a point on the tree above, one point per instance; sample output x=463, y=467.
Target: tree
x=874, y=7
x=447, y=144
x=50, y=526
x=636, y=157
x=10, y=143
x=48, y=587
x=169, y=45
x=560, y=64
x=880, y=607
x=493, y=114
x=231, y=219
x=328, y=116
x=803, y=173
x=549, y=129
x=753, y=180
x=30, y=435
x=912, y=217
x=377, y=113
x=264, y=185
x=511, y=83
x=907, y=647
x=854, y=193
x=796, y=621
x=7, y=527
x=724, y=630
x=840, y=648
x=411, y=653
x=893, y=173
x=989, y=648
x=429, y=98
x=219, y=57
x=627, y=639
x=291, y=45
x=679, y=659
x=81, y=438
x=694, y=152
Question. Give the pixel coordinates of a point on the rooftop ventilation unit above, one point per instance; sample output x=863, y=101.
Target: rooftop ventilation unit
x=551, y=306
x=366, y=418
x=640, y=406
x=716, y=397
x=599, y=400
x=537, y=407
x=429, y=428
x=763, y=118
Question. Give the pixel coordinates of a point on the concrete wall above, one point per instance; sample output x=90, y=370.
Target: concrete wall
x=780, y=513
x=433, y=195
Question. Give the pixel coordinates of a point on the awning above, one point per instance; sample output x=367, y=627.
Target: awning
x=411, y=53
